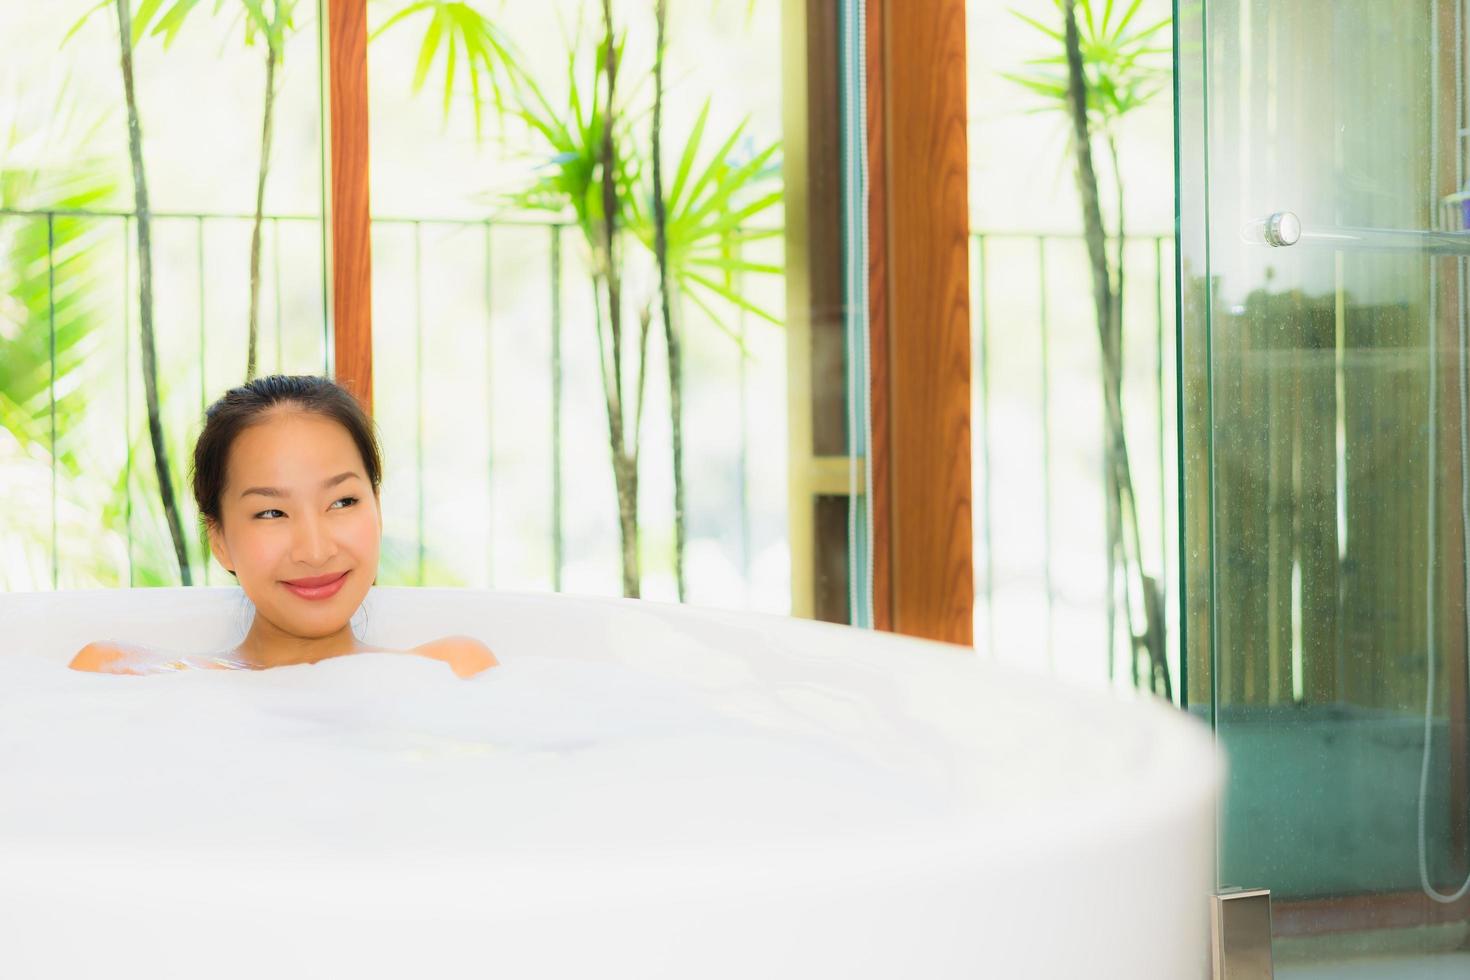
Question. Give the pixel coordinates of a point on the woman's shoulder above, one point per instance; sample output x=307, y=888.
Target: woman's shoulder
x=110, y=656
x=457, y=641
x=465, y=654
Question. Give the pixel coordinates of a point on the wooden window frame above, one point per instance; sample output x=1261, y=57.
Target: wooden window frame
x=918, y=283
x=349, y=211
x=919, y=308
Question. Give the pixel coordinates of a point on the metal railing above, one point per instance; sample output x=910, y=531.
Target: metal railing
x=1036, y=319
x=125, y=221
x=272, y=223
x=1043, y=318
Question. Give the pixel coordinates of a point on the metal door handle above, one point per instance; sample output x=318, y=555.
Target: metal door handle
x=1282, y=228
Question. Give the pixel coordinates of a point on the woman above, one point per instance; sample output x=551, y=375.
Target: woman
x=286, y=477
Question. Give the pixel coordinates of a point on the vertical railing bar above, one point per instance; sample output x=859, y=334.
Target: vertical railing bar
x=740, y=326
x=127, y=319
x=276, y=263
x=556, y=474
x=1110, y=545
x=418, y=387
x=489, y=416
x=1110, y=589
x=982, y=354
x=203, y=395
x=51, y=385
x=328, y=286
x=1163, y=456
x=324, y=183
x=1046, y=458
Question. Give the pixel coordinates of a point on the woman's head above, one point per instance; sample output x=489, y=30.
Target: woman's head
x=286, y=478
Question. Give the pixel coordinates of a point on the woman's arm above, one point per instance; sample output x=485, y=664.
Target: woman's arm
x=105, y=657
x=465, y=655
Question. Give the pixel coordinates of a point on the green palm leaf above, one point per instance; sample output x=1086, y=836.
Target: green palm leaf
x=710, y=211
x=1122, y=68
x=468, y=41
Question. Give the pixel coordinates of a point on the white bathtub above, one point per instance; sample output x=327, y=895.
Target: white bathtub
x=639, y=790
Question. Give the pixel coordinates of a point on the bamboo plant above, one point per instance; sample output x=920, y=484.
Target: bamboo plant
x=1107, y=67
x=600, y=173
x=131, y=30
x=270, y=20
x=696, y=233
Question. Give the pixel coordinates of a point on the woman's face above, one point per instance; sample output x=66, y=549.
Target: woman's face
x=297, y=509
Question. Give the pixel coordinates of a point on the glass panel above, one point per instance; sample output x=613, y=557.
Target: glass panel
x=522, y=364
x=1325, y=462
x=80, y=476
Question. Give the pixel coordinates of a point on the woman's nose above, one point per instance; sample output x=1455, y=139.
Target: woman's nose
x=312, y=543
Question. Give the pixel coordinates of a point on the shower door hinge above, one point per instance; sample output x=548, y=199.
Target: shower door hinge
x=1240, y=934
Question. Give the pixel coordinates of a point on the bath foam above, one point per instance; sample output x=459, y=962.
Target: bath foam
x=637, y=790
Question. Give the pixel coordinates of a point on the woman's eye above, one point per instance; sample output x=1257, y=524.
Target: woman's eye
x=350, y=501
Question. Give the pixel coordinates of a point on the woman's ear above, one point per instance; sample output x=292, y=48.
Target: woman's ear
x=217, y=546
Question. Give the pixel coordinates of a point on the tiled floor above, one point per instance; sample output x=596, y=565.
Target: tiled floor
x=1450, y=966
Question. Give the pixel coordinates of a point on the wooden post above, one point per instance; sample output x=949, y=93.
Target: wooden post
x=919, y=298
x=351, y=248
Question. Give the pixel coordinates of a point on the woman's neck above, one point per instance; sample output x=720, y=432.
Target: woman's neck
x=266, y=645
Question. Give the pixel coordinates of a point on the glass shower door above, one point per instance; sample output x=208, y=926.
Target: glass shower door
x=1322, y=282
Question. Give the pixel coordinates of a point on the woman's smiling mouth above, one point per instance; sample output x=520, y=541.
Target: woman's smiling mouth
x=317, y=587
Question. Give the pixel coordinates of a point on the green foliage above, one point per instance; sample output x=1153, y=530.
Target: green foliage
x=1122, y=64
x=723, y=195
x=711, y=215
x=570, y=185
x=49, y=286
x=274, y=27
x=460, y=31
x=154, y=18
x=164, y=18
x=715, y=206
x=35, y=253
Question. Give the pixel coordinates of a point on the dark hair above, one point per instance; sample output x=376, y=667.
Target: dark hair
x=249, y=404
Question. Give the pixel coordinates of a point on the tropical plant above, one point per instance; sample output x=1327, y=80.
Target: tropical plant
x=1123, y=70
x=49, y=313
x=596, y=174
x=612, y=187
x=130, y=31
x=693, y=220
x=661, y=260
x=695, y=234
x=270, y=20
x=592, y=176
x=267, y=20
x=54, y=254
x=459, y=30
x=273, y=28
x=589, y=177
x=1109, y=66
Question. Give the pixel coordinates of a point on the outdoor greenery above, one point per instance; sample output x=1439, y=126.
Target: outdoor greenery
x=1104, y=65
x=35, y=255
x=660, y=239
x=603, y=171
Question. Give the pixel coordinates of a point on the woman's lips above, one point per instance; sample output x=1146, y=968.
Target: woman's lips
x=320, y=587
